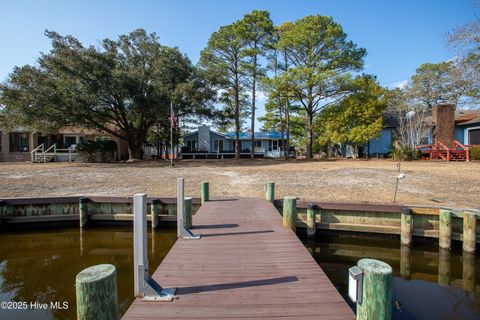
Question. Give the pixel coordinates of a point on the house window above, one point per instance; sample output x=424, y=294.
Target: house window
x=19, y=142
x=474, y=136
x=258, y=143
x=69, y=140
x=192, y=145
x=218, y=145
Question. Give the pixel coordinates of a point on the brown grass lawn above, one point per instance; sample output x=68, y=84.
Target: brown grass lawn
x=373, y=181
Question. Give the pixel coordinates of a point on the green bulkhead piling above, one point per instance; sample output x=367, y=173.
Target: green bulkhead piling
x=96, y=293
x=445, y=229
x=406, y=226
x=205, y=192
x=83, y=211
x=290, y=213
x=311, y=220
x=469, y=231
x=270, y=192
x=155, y=211
x=187, y=213
x=376, y=292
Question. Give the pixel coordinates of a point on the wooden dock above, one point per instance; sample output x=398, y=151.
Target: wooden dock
x=245, y=266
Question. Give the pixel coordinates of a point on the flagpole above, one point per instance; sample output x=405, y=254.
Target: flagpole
x=171, y=134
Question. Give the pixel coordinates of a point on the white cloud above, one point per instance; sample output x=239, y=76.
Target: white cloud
x=399, y=85
x=259, y=95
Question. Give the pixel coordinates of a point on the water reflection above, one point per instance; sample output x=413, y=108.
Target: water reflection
x=428, y=283
x=40, y=266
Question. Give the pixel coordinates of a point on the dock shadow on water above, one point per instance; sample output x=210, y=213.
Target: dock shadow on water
x=428, y=283
x=41, y=266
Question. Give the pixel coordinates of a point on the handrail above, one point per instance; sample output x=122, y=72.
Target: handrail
x=444, y=147
x=37, y=148
x=54, y=146
x=34, y=151
x=457, y=144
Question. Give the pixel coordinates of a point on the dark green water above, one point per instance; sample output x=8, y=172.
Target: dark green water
x=40, y=266
x=428, y=283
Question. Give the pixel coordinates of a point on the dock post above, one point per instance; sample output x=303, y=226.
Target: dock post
x=188, y=213
x=270, y=192
x=445, y=232
x=406, y=226
x=155, y=211
x=444, y=271
x=205, y=192
x=96, y=293
x=182, y=230
x=469, y=231
x=377, y=290
x=468, y=276
x=405, y=262
x=144, y=285
x=290, y=213
x=311, y=220
x=83, y=211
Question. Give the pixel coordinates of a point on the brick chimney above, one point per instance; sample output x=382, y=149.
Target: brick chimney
x=443, y=116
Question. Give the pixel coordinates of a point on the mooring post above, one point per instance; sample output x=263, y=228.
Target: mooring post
x=405, y=262
x=444, y=267
x=406, y=226
x=311, y=220
x=469, y=231
x=377, y=290
x=290, y=213
x=155, y=211
x=205, y=192
x=187, y=217
x=96, y=292
x=445, y=229
x=468, y=276
x=270, y=192
x=144, y=285
x=83, y=211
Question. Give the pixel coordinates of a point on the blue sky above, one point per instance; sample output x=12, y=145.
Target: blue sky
x=398, y=35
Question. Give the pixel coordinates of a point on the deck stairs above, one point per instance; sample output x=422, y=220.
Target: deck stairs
x=438, y=150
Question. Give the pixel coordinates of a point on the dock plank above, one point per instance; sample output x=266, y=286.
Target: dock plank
x=245, y=266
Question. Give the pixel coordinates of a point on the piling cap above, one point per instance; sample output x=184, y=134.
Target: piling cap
x=95, y=273
x=374, y=266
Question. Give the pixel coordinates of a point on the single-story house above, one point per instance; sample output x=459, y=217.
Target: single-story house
x=206, y=143
x=445, y=125
x=23, y=145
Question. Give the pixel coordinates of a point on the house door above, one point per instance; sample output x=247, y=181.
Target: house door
x=274, y=145
x=474, y=136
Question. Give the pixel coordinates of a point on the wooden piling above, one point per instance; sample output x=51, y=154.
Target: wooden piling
x=2, y=210
x=187, y=213
x=205, y=191
x=469, y=231
x=155, y=211
x=444, y=270
x=406, y=227
x=468, y=276
x=290, y=213
x=445, y=229
x=405, y=262
x=311, y=220
x=96, y=291
x=83, y=211
x=270, y=191
x=377, y=290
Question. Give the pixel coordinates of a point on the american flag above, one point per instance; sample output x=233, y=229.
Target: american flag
x=173, y=118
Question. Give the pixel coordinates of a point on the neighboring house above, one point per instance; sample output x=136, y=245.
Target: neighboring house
x=22, y=145
x=205, y=143
x=446, y=125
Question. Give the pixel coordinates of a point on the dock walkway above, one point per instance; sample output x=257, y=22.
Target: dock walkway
x=245, y=266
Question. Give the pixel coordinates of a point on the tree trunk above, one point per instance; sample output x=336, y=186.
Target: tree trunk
x=237, y=117
x=135, y=144
x=287, y=120
x=309, y=135
x=254, y=84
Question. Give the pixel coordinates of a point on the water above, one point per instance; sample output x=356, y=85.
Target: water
x=41, y=266
x=428, y=283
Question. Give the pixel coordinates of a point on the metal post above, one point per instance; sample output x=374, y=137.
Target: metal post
x=182, y=231
x=144, y=285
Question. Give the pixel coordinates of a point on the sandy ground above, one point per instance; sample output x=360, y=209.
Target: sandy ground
x=373, y=181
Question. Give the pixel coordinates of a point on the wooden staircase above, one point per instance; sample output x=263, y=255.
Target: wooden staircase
x=438, y=150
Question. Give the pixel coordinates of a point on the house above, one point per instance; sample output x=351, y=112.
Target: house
x=22, y=145
x=446, y=126
x=205, y=143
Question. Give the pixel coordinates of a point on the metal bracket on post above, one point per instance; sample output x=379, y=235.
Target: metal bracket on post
x=182, y=231
x=144, y=285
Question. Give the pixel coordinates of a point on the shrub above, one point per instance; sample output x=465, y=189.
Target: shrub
x=405, y=153
x=475, y=153
x=97, y=151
